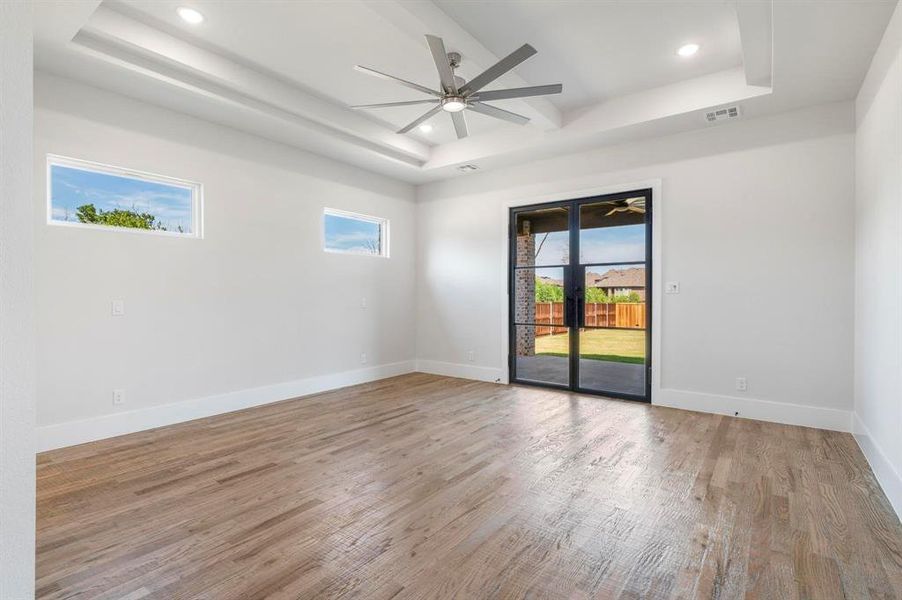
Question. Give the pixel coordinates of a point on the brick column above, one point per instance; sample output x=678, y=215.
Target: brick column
x=525, y=286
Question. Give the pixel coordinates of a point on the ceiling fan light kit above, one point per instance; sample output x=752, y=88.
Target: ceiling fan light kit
x=453, y=104
x=457, y=95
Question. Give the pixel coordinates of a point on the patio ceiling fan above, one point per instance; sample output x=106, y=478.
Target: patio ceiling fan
x=634, y=205
x=456, y=94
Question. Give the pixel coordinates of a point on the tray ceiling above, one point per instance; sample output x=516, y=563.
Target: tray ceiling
x=284, y=70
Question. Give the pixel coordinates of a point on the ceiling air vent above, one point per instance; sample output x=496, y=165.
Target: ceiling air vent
x=722, y=114
x=467, y=168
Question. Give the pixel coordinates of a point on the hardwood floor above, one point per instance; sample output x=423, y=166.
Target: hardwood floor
x=429, y=487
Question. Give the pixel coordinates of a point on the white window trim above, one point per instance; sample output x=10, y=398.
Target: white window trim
x=197, y=194
x=383, y=223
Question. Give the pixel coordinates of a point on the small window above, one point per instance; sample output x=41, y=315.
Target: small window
x=353, y=233
x=86, y=194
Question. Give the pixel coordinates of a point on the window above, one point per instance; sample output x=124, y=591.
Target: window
x=86, y=194
x=352, y=233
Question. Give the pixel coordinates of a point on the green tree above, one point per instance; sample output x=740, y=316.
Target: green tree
x=548, y=292
x=631, y=297
x=599, y=296
x=88, y=213
x=596, y=296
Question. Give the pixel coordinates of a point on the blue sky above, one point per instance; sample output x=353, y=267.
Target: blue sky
x=74, y=187
x=599, y=245
x=352, y=235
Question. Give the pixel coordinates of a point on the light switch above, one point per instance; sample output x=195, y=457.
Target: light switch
x=672, y=287
x=118, y=308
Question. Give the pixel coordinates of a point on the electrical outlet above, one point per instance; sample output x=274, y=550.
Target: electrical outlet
x=117, y=308
x=471, y=356
x=363, y=302
x=363, y=358
x=742, y=384
x=118, y=397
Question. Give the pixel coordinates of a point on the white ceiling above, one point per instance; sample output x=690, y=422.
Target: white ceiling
x=284, y=70
x=315, y=45
x=601, y=50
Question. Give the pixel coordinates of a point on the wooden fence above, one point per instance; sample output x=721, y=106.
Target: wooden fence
x=624, y=315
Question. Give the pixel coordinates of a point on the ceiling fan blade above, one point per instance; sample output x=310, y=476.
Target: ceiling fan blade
x=440, y=56
x=390, y=104
x=425, y=117
x=523, y=92
x=492, y=111
x=460, y=124
x=410, y=84
x=498, y=69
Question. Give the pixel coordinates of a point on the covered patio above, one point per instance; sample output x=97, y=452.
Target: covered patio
x=599, y=375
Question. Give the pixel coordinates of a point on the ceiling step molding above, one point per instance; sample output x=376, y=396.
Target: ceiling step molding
x=117, y=38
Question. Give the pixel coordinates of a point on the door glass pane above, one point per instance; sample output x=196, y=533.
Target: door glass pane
x=612, y=231
x=543, y=237
x=542, y=354
x=612, y=339
x=615, y=284
x=612, y=360
x=539, y=296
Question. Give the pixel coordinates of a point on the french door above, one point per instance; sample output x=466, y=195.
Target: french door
x=580, y=295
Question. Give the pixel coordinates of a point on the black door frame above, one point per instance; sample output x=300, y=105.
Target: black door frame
x=574, y=294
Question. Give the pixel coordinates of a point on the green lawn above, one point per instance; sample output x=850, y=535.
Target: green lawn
x=615, y=345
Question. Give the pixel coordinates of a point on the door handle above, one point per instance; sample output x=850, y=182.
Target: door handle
x=580, y=308
x=569, y=311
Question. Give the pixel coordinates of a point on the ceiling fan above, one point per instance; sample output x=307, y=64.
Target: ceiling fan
x=456, y=94
x=633, y=205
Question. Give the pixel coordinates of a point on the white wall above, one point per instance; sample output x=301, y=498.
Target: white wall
x=254, y=312
x=17, y=476
x=878, y=251
x=757, y=227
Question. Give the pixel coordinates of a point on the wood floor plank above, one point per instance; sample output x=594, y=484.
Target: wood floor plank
x=423, y=486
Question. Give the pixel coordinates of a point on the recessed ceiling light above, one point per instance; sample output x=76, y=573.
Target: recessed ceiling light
x=189, y=15
x=425, y=127
x=688, y=50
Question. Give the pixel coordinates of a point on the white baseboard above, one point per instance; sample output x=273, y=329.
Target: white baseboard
x=437, y=367
x=749, y=408
x=760, y=410
x=60, y=435
x=887, y=475
x=70, y=433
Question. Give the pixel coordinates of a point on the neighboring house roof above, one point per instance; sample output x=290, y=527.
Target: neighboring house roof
x=634, y=277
